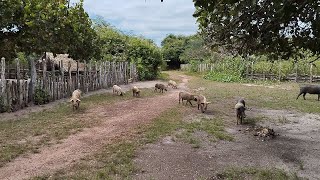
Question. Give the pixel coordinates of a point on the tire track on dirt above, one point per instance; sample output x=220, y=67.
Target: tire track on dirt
x=119, y=120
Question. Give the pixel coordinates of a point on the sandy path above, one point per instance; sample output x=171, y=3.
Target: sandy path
x=119, y=120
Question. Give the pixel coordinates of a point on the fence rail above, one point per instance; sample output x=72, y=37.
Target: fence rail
x=18, y=86
x=251, y=74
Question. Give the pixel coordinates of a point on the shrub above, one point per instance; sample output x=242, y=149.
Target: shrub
x=147, y=56
x=223, y=77
x=194, y=66
x=41, y=96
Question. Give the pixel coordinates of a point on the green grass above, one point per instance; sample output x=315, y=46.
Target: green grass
x=214, y=127
x=188, y=137
x=170, y=75
x=164, y=76
x=256, y=174
x=27, y=135
x=280, y=96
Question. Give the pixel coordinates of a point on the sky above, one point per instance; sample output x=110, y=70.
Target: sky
x=150, y=18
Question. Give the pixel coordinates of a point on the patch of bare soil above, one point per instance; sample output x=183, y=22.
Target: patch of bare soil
x=120, y=120
x=296, y=149
x=271, y=87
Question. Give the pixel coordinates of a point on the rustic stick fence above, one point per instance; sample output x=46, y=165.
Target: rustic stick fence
x=251, y=74
x=19, y=83
x=203, y=67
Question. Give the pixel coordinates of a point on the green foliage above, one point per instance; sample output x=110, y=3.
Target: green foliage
x=234, y=69
x=147, y=57
x=37, y=26
x=116, y=46
x=172, y=47
x=194, y=65
x=113, y=44
x=223, y=77
x=22, y=58
x=164, y=76
x=229, y=69
x=195, y=50
x=41, y=96
x=252, y=27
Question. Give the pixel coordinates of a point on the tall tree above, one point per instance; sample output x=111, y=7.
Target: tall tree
x=276, y=27
x=172, y=47
x=113, y=43
x=36, y=26
x=195, y=50
x=146, y=55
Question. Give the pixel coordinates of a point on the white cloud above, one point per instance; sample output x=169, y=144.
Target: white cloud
x=150, y=18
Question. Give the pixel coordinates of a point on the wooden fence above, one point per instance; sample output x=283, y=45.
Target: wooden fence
x=203, y=67
x=16, y=93
x=251, y=74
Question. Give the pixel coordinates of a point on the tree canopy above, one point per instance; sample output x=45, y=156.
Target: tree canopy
x=273, y=27
x=37, y=26
x=117, y=46
x=195, y=50
x=172, y=47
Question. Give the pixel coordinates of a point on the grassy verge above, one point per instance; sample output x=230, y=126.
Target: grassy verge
x=214, y=128
x=256, y=173
x=273, y=96
x=172, y=75
x=164, y=76
x=27, y=135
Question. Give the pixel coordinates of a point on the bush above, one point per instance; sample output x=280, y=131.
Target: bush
x=223, y=77
x=41, y=96
x=194, y=66
x=147, y=56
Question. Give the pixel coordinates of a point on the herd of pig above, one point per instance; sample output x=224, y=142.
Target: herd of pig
x=200, y=99
x=188, y=97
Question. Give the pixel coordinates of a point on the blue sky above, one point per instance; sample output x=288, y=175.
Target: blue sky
x=150, y=18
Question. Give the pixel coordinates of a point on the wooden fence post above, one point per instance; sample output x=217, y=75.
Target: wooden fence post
x=90, y=76
x=63, y=79
x=279, y=71
x=69, y=79
x=252, y=69
x=125, y=72
x=54, y=84
x=311, y=65
x=78, y=76
x=33, y=82
x=19, y=99
x=296, y=68
x=85, y=77
x=44, y=73
x=104, y=73
x=96, y=77
x=3, y=78
x=247, y=70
